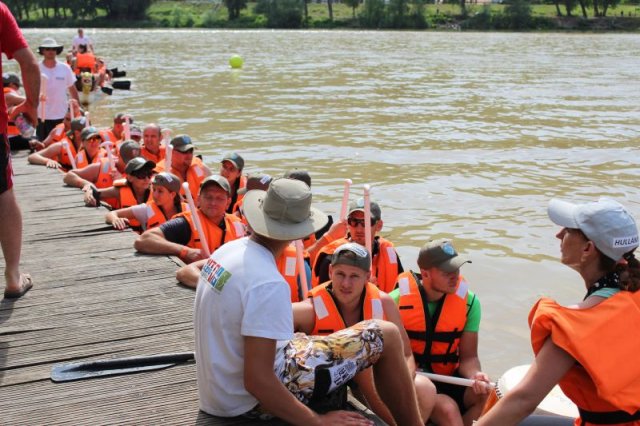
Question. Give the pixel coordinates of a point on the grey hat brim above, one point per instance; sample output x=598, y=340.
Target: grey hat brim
x=563, y=213
x=184, y=148
x=453, y=264
x=263, y=225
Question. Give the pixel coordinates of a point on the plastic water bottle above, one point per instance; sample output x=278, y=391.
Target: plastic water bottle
x=24, y=127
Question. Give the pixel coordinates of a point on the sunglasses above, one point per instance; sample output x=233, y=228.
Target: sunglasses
x=143, y=174
x=49, y=48
x=352, y=221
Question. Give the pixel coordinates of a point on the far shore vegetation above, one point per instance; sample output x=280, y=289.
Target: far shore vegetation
x=519, y=15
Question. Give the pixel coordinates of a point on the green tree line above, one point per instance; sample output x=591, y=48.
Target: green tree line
x=79, y=9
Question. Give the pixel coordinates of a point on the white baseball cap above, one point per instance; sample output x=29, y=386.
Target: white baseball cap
x=605, y=222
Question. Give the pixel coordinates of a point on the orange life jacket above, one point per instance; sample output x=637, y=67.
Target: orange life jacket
x=63, y=157
x=603, y=339
x=108, y=136
x=434, y=346
x=328, y=318
x=195, y=175
x=156, y=216
x=12, y=130
x=82, y=161
x=156, y=158
x=127, y=198
x=216, y=236
x=239, y=197
x=85, y=62
x=58, y=133
x=384, y=263
x=289, y=268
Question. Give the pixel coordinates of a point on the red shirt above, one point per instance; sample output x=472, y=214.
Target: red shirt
x=11, y=39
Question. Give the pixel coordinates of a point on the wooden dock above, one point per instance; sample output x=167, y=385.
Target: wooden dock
x=94, y=297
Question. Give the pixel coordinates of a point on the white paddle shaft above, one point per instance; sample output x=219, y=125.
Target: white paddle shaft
x=167, y=157
x=65, y=145
x=43, y=95
x=127, y=128
x=367, y=221
x=345, y=200
x=453, y=380
x=196, y=219
x=107, y=145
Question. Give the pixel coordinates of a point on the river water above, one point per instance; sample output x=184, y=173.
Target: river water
x=461, y=135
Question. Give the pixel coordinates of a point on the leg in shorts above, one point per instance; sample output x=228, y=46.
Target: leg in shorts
x=317, y=365
x=6, y=172
x=454, y=391
x=313, y=366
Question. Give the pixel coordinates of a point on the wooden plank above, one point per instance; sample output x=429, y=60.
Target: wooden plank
x=94, y=298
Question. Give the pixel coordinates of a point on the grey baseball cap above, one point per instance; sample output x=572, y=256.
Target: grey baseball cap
x=358, y=206
x=221, y=181
x=440, y=254
x=605, y=222
x=352, y=254
x=168, y=180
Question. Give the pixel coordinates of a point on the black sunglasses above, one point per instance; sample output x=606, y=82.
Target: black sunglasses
x=359, y=222
x=142, y=174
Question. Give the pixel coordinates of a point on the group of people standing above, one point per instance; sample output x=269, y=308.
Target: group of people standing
x=267, y=344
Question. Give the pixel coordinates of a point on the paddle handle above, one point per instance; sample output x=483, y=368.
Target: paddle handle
x=367, y=220
x=135, y=361
x=345, y=200
x=65, y=145
x=302, y=271
x=43, y=96
x=107, y=145
x=127, y=127
x=167, y=157
x=87, y=121
x=196, y=219
x=460, y=381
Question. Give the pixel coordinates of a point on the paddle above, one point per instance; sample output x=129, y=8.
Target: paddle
x=460, y=381
x=122, y=84
x=196, y=219
x=107, y=90
x=112, y=367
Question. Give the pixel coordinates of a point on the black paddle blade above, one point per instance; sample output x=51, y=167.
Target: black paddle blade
x=118, y=74
x=113, y=367
x=107, y=90
x=122, y=84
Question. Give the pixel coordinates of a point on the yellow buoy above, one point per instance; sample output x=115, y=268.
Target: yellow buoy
x=236, y=61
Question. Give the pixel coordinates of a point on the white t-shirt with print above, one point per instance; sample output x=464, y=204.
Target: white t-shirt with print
x=59, y=79
x=240, y=293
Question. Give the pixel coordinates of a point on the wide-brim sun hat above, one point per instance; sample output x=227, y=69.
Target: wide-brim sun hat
x=605, y=222
x=50, y=43
x=284, y=211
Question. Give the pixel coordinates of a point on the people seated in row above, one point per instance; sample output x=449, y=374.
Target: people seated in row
x=442, y=317
x=386, y=262
x=100, y=173
x=127, y=192
x=248, y=360
x=348, y=298
x=164, y=204
x=184, y=164
x=179, y=236
x=58, y=154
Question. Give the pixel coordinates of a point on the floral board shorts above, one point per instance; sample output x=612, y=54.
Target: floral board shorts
x=314, y=366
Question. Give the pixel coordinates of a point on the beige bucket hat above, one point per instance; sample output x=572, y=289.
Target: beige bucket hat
x=284, y=211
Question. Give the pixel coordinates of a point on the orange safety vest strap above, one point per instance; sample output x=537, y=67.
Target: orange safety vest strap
x=289, y=269
x=597, y=383
x=328, y=318
x=385, y=265
x=435, y=340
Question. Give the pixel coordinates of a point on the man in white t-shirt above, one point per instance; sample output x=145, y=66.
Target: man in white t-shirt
x=81, y=39
x=59, y=81
x=248, y=360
